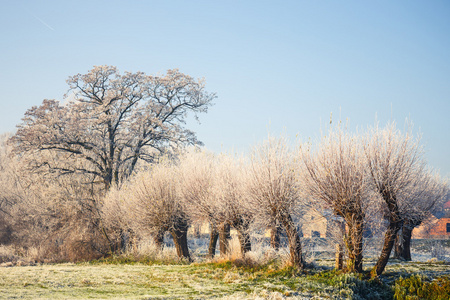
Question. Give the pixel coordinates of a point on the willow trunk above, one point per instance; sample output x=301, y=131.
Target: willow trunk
x=224, y=239
x=213, y=237
x=179, y=235
x=295, y=246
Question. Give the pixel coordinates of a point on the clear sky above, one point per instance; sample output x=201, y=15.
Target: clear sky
x=278, y=65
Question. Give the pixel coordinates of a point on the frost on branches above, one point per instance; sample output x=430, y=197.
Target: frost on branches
x=335, y=177
x=114, y=122
x=409, y=192
x=273, y=191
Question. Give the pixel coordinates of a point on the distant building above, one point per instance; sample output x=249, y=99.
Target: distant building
x=441, y=228
x=314, y=224
x=447, y=206
x=435, y=227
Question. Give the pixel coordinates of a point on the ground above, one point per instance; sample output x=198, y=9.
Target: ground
x=264, y=275
x=106, y=280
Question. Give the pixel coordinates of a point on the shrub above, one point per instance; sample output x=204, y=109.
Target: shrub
x=353, y=285
x=421, y=287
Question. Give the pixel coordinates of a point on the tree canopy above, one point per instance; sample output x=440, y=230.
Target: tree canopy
x=110, y=122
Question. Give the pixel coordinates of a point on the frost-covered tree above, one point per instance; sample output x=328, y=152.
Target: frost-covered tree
x=151, y=203
x=54, y=214
x=10, y=190
x=423, y=196
x=335, y=179
x=213, y=188
x=229, y=193
x=117, y=218
x=197, y=171
x=111, y=122
x=20, y=206
x=394, y=162
x=273, y=190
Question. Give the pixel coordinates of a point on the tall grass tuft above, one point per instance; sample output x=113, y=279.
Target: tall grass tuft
x=144, y=251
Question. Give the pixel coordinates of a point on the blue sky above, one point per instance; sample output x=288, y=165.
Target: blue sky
x=283, y=65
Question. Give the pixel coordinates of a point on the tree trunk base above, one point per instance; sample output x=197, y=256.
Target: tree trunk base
x=213, y=237
x=224, y=239
x=275, y=233
x=158, y=239
x=295, y=246
x=389, y=239
x=179, y=235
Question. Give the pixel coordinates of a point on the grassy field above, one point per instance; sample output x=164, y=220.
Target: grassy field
x=226, y=280
x=151, y=274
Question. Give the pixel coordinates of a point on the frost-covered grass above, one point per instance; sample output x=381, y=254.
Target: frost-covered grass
x=216, y=279
x=147, y=273
x=138, y=281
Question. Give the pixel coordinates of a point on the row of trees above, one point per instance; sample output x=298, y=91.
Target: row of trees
x=106, y=168
x=221, y=190
x=358, y=177
x=381, y=171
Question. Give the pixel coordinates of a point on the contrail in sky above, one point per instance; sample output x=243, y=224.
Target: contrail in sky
x=37, y=18
x=40, y=20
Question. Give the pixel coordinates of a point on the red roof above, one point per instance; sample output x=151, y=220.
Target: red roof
x=447, y=205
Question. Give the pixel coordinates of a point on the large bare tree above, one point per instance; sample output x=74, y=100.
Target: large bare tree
x=111, y=122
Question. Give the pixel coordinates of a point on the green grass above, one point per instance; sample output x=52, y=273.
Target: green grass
x=119, y=278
